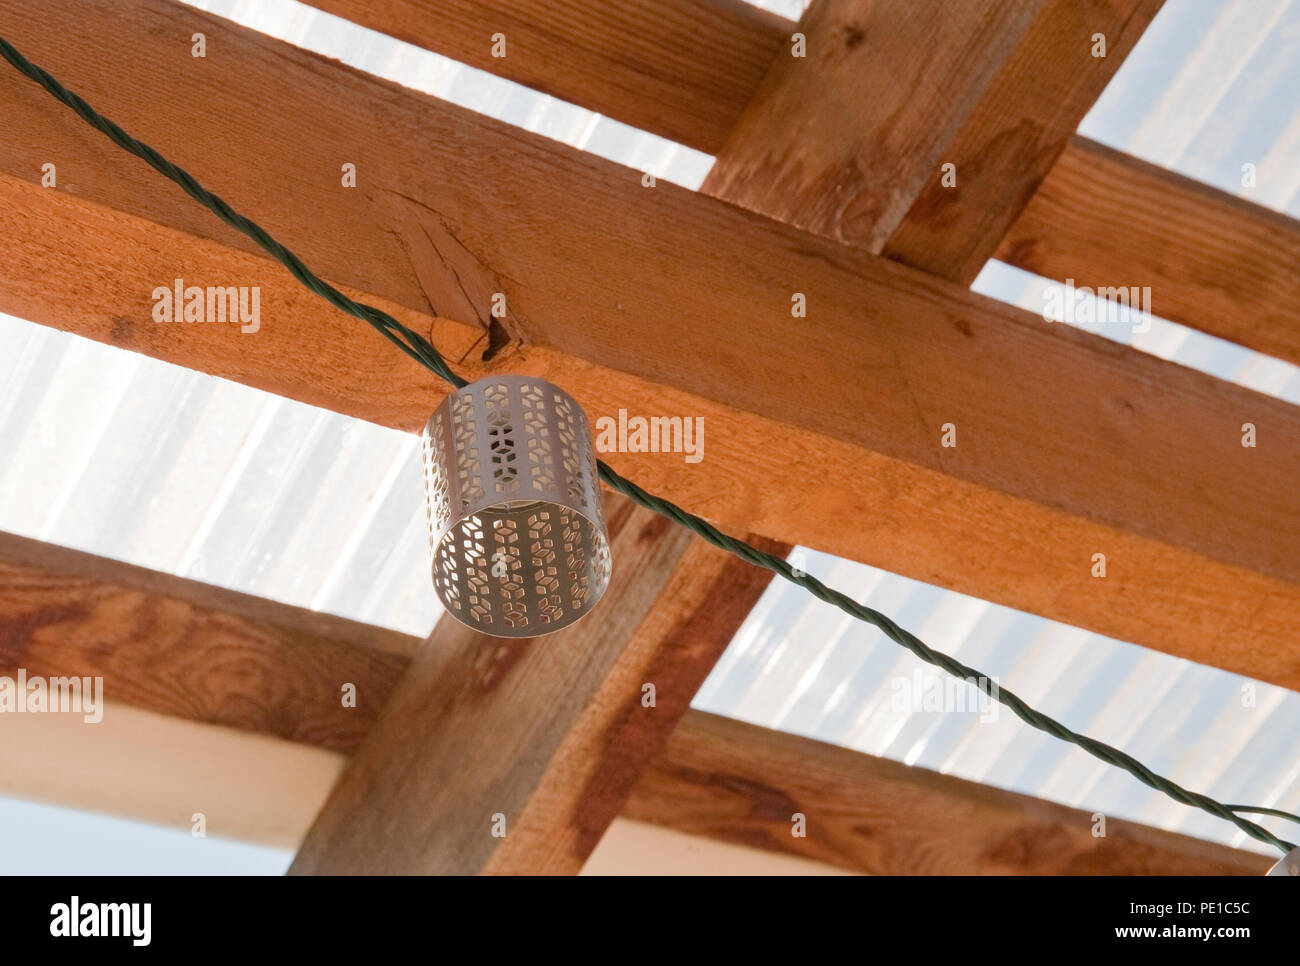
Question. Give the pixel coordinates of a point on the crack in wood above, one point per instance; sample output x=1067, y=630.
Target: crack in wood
x=456, y=283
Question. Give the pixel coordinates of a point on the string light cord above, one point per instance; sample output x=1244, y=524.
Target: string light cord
x=422, y=351
x=1257, y=810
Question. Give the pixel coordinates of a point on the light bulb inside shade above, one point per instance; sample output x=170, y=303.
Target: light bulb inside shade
x=515, y=510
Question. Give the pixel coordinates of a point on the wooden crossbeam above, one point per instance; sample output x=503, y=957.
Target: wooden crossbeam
x=682, y=69
x=191, y=650
x=845, y=130
x=1212, y=261
x=514, y=756
x=731, y=780
x=921, y=130
x=1010, y=142
x=632, y=299
x=192, y=653
x=1219, y=264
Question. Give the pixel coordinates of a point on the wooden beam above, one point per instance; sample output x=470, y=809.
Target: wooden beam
x=191, y=650
x=188, y=650
x=682, y=69
x=1046, y=472
x=740, y=783
x=544, y=736
x=1214, y=262
x=851, y=140
x=1011, y=141
x=1220, y=264
x=588, y=780
x=712, y=777
x=842, y=134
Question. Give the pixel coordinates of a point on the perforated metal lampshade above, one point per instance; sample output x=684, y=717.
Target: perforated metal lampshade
x=516, y=519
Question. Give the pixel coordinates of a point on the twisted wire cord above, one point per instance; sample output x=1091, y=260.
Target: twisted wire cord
x=1257, y=810
x=422, y=351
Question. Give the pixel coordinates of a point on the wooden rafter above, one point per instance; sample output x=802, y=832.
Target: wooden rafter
x=920, y=130
x=199, y=652
x=1212, y=261
x=844, y=132
x=1010, y=142
x=1080, y=447
x=730, y=780
x=182, y=648
x=1219, y=264
x=683, y=69
x=549, y=734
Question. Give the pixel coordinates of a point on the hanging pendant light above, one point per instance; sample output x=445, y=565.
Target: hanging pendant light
x=516, y=518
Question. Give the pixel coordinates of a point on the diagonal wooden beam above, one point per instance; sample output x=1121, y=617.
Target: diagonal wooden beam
x=682, y=69
x=741, y=783
x=851, y=140
x=1011, y=141
x=1078, y=447
x=506, y=756
x=587, y=782
x=65, y=612
x=843, y=133
x=1212, y=261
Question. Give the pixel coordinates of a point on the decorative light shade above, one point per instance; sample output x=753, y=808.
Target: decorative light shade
x=516, y=519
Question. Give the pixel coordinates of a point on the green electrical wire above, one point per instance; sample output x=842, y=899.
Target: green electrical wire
x=422, y=351
x=1256, y=810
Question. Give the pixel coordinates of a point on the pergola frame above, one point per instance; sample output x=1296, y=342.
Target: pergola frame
x=828, y=183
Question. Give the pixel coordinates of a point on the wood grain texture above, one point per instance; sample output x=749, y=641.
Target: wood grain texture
x=479, y=727
x=841, y=140
x=586, y=784
x=1079, y=446
x=1229, y=259
x=1214, y=262
x=849, y=141
x=1012, y=139
x=190, y=650
x=712, y=777
x=741, y=783
x=682, y=69
x=197, y=652
x=1226, y=261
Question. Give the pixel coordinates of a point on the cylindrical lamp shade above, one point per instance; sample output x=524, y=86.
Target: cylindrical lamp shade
x=516, y=519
